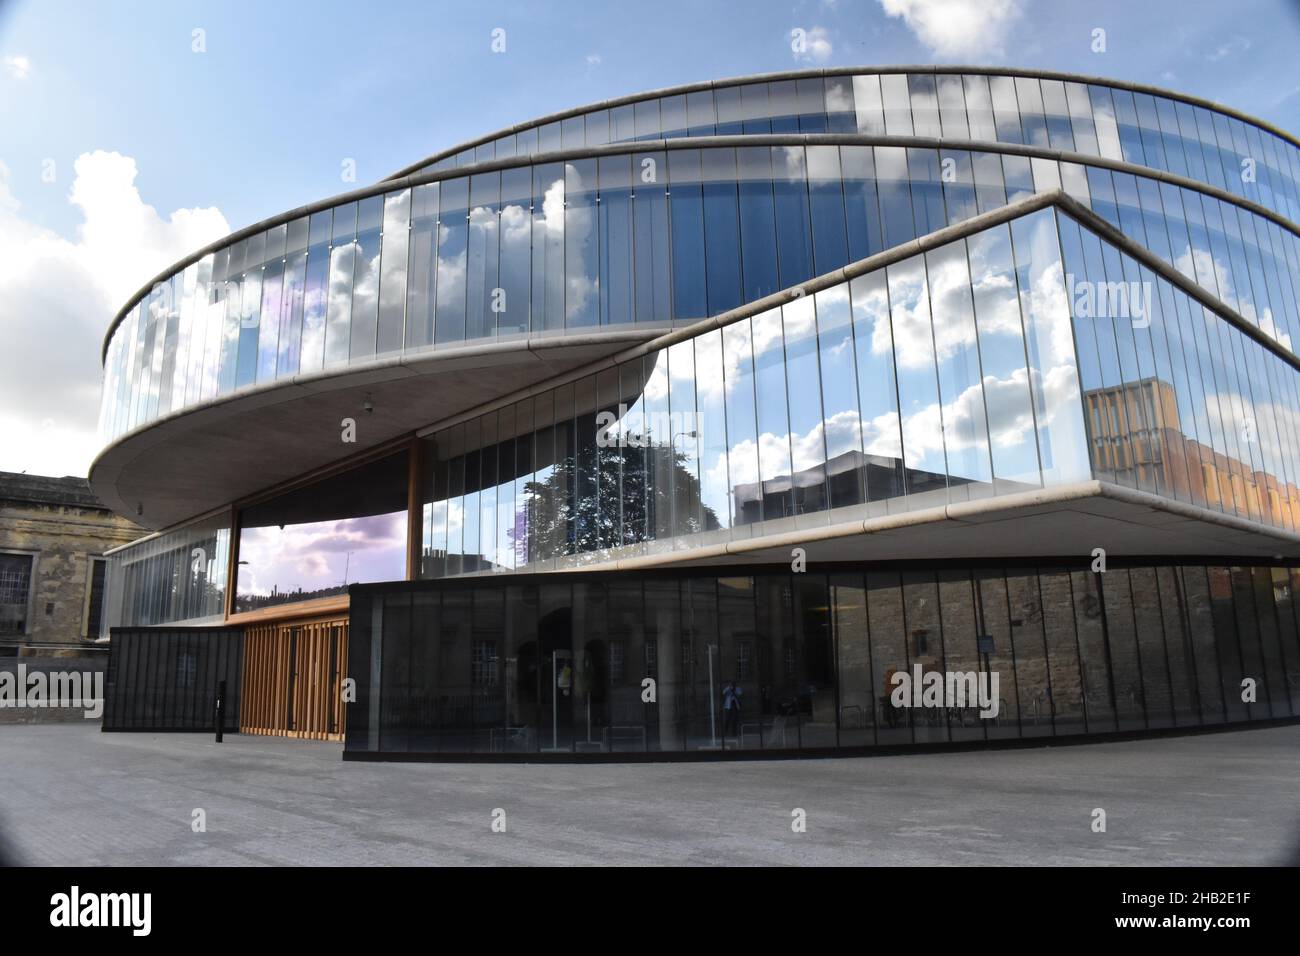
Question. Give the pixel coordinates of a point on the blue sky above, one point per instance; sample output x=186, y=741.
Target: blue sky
x=286, y=91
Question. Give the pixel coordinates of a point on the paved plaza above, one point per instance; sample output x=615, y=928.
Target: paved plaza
x=70, y=795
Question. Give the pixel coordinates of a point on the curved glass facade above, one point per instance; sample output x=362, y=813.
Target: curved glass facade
x=627, y=664
x=1121, y=330
x=1060, y=113
x=670, y=236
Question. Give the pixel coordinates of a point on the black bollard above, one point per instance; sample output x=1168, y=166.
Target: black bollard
x=221, y=708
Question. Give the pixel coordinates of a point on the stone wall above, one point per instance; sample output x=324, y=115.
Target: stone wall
x=65, y=538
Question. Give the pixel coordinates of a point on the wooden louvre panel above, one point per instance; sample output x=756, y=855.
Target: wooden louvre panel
x=293, y=679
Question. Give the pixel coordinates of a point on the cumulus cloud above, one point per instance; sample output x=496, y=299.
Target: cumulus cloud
x=957, y=27
x=57, y=296
x=18, y=66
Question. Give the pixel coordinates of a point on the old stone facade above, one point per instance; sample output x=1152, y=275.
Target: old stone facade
x=51, y=532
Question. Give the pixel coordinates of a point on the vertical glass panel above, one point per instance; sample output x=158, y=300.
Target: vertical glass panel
x=979, y=108
x=338, y=311
x=365, y=283
x=722, y=263
x=581, y=244
x=1033, y=678
x=1031, y=111
x=924, y=637
x=861, y=206
x=1056, y=111
x=895, y=195
x=857, y=695
x=952, y=107
x=596, y=131
x=422, y=274
x=730, y=118
x=672, y=112
x=841, y=115
x=882, y=443
x=700, y=115
x=925, y=105
x=773, y=417
x=1062, y=652
x=810, y=96
x=793, y=227
x=617, y=261
x=868, y=107
x=651, y=239
x=482, y=253
x=1094, y=660
x=392, y=281
x=548, y=248
x=646, y=119
x=918, y=391
x=1150, y=631
x=515, y=271
x=826, y=200
x=845, y=464
x=1006, y=112
x=961, y=392
x=453, y=234
x=621, y=126
x=967, y=718
x=687, y=218
x=958, y=185
x=898, y=104
x=807, y=434
x=889, y=654
x=754, y=108
x=1018, y=174
x=269, y=320
x=990, y=190
x=926, y=175
x=1105, y=122
x=688, y=514
x=1049, y=343
x=742, y=434
x=1085, y=132
x=711, y=420
x=1121, y=635
x=757, y=223
x=1005, y=377
x=783, y=106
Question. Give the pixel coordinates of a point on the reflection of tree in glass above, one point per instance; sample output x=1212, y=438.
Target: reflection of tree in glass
x=575, y=510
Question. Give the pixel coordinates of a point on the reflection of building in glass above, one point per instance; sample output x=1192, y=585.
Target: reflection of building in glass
x=681, y=389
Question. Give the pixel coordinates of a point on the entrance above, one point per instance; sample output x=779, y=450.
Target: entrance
x=293, y=679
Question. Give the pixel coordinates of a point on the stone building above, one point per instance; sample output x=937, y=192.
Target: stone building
x=53, y=534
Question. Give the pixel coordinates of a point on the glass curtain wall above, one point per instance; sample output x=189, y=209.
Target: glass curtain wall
x=653, y=238
x=698, y=662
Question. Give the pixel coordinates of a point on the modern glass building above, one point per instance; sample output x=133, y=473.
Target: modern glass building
x=692, y=422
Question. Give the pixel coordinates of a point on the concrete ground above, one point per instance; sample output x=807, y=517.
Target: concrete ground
x=70, y=795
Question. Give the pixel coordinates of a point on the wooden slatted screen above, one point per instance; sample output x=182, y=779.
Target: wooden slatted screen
x=293, y=679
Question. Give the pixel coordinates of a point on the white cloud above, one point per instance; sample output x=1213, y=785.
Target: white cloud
x=594, y=59
x=957, y=27
x=18, y=66
x=57, y=296
x=812, y=45
x=1233, y=47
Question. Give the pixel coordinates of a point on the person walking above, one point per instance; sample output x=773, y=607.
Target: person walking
x=731, y=708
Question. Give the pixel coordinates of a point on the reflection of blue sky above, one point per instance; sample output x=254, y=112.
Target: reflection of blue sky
x=322, y=554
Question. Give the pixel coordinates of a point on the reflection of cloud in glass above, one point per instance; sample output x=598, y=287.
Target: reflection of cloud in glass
x=317, y=555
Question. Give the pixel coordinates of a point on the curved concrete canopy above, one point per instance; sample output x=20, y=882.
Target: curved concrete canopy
x=207, y=457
